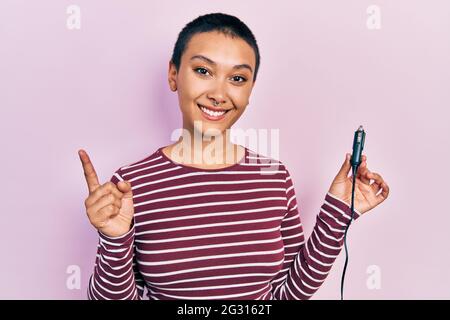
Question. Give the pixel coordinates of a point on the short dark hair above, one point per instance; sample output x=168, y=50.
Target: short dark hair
x=224, y=23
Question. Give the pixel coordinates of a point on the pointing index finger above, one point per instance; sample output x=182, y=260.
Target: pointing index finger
x=89, y=171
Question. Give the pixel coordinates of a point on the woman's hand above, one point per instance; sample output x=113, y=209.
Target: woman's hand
x=367, y=185
x=109, y=207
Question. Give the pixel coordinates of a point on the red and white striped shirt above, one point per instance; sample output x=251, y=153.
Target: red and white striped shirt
x=231, y=233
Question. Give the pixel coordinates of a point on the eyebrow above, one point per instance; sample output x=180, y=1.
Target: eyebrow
x=208, y=60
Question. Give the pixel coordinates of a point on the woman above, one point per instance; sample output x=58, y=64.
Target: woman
x=187, y=222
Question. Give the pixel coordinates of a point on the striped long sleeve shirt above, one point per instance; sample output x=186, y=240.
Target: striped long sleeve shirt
x=230, y=233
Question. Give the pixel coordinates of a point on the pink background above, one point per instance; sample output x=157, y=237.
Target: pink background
x=323, y=73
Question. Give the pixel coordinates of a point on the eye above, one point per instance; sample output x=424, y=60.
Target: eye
x=201, y=70
x=243, y=79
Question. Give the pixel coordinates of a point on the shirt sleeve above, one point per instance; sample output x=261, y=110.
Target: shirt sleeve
x=116, y=276
x=307, y=264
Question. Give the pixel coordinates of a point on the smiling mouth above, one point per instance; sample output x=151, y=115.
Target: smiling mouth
x=210, y=114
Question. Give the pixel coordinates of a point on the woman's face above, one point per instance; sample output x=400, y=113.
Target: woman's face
x=214, y=67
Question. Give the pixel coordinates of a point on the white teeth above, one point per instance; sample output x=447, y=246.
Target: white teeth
x=212, y=113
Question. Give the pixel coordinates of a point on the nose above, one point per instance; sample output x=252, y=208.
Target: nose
x=217, y=94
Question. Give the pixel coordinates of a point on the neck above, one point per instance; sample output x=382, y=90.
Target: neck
x=198, y=149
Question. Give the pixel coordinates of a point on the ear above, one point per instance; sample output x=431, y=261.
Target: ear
x=172, y=76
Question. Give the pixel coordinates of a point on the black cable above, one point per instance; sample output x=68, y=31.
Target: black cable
x=355, y=161
x=354, y=170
